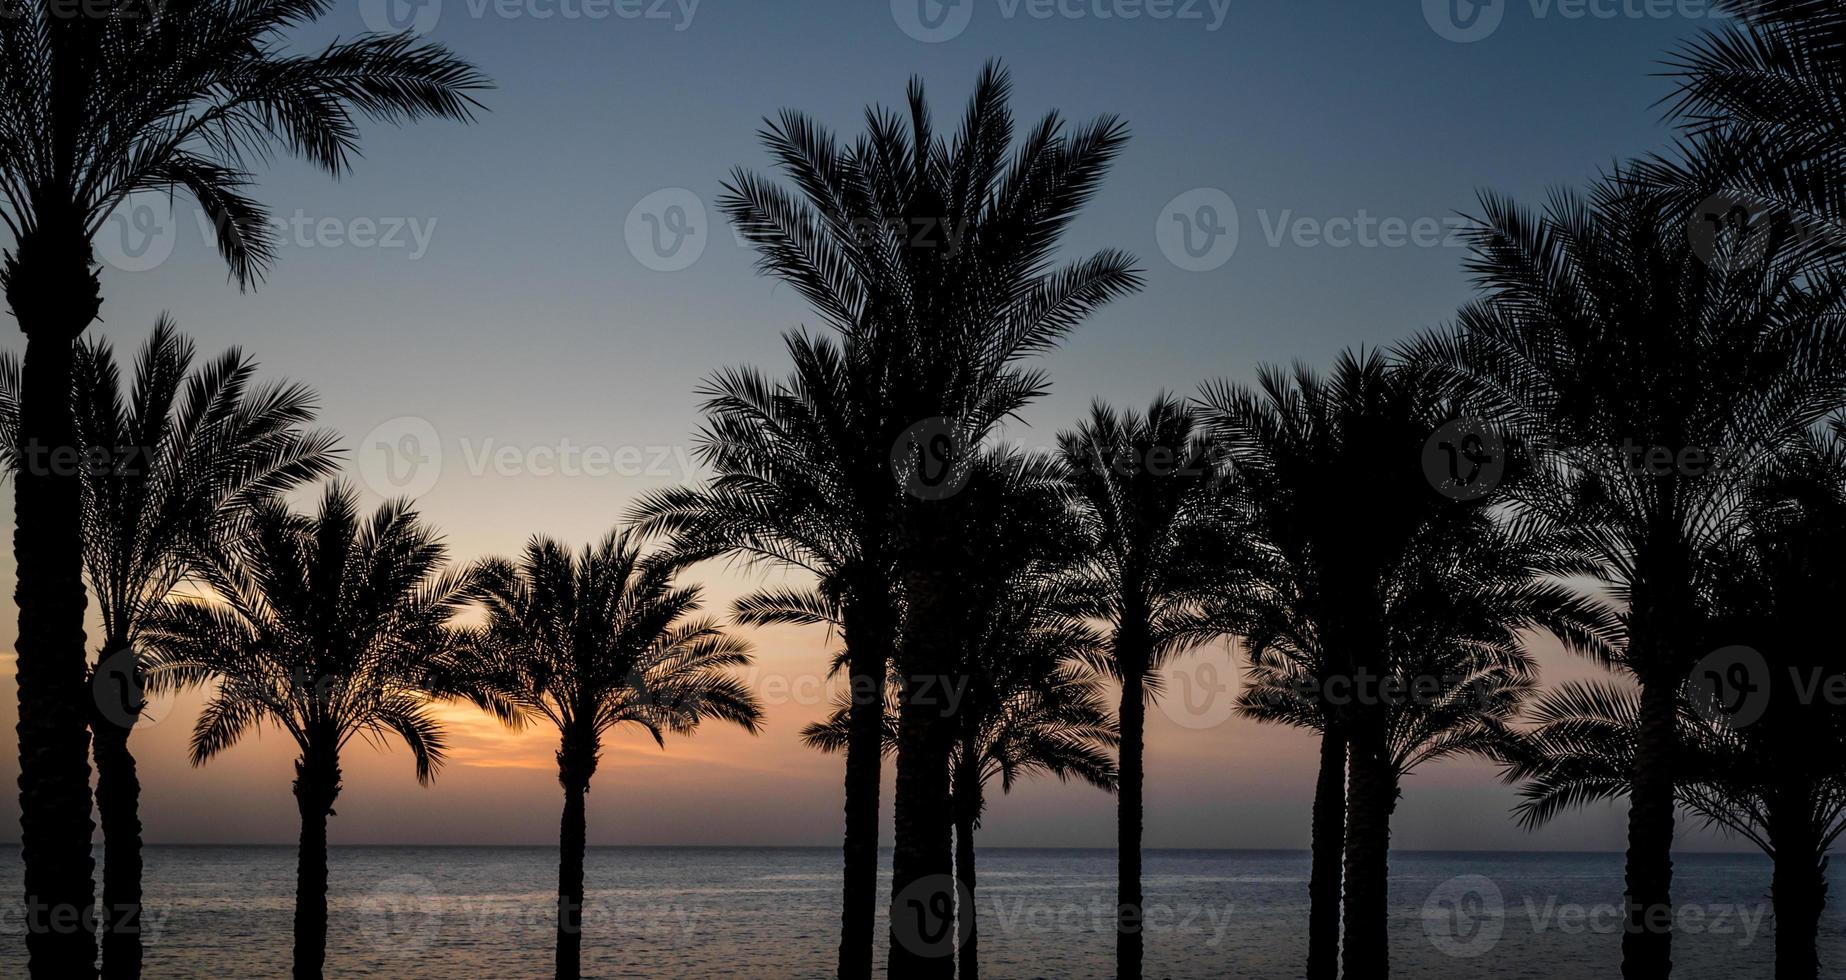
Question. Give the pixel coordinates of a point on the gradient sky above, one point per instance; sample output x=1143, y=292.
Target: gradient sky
x=494, y=286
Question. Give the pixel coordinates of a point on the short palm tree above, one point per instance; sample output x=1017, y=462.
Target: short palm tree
x=592, y=643
x=934, y=259
x=1456, y=668
x=1325, y=469
x=1160, y=545
x=98, y=104
x=1581, y=752
x=183, y=458
x=803, y=484
x=329, y=627
x=1654, y=387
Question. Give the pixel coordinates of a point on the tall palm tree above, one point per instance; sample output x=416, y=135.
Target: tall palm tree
x=1161, y=545
x=1654, y=386
x=330, y=628
x=592, y=643
x=119, y=97
x=181, y=461
x=803, y=483
x=934, y=259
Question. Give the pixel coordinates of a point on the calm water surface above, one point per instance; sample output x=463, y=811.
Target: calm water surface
x=480, y=913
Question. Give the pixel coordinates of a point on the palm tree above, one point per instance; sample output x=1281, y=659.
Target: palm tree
x=590, y=644
x=1582, y=752
x=1057, y=726
x=330, y=627
x=803, y=483
x=1028, y=698
x=1653, y=386
x=1326, y=471
x=183, y=459
x=1028, y=702
x=1774, y=590
x=1457, y=672
x=1757, y=97
x=933, y=258
x=127, y=96
x=1160, y=543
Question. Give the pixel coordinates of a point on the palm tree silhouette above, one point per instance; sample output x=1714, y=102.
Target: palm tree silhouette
x=1029, y=701
x=330, y=627
x=188, y=453
x=1160, y=543
x=1457, y=671
x=590, y=644
x=1660, y=384
x=803, y=482
x=1345, y=591
x=1756, y=98
x=1030, y=704
x=933, y=258
x=119, y=97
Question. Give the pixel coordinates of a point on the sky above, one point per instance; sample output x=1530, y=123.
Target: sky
x=510, y=320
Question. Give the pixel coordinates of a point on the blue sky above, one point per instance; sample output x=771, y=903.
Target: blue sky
x=495, y=292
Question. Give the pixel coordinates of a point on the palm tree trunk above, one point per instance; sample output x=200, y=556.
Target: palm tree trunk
x=1647, y=940
x=571, y=843
x=53, y=295
x=1328, y=842
x=1372, y=797
x=118, y=804
x=317, y=785
x=1799, y=886
x=922, y=910
x=868, y=638
x=922, y=881
x=1128, y=899
x=967, y=811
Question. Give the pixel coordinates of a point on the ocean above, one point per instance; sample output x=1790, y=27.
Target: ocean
x=486, y=913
